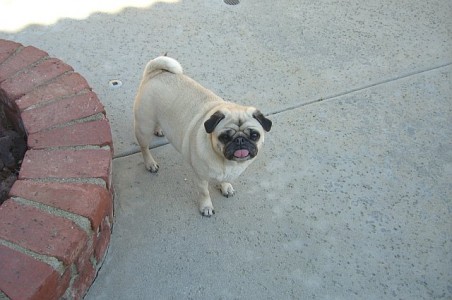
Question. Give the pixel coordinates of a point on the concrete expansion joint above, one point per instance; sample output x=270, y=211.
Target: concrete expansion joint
x=365, y=87
x=316, y=101
x=56, y=223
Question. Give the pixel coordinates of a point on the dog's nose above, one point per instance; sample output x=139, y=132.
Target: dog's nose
x=240, y=141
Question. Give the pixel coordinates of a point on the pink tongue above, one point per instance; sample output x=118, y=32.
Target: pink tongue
x=241, y=153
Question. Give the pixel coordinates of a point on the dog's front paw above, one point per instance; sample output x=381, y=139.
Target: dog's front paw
x=207, y=211
x=226, y=189
x=152, y=167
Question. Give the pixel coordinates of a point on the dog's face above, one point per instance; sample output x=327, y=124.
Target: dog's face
x=237, y=133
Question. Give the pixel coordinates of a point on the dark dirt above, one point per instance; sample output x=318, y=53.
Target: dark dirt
x=12, y=150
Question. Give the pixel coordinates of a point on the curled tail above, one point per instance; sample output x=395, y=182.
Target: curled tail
x=162, y=63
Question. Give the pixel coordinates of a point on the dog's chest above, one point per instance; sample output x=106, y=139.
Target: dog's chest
x=230, y=173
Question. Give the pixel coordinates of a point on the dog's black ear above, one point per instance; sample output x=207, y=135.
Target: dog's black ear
x=213, y=121
x=266, y=123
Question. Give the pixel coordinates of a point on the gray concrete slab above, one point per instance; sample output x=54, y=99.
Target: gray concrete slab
x=351, y=198
x=273, y=54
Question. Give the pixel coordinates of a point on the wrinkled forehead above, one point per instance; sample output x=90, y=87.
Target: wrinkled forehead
x=241, y=119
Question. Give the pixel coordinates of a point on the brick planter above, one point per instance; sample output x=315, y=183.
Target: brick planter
x=56, y=225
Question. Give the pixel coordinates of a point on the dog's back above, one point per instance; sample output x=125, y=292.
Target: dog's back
x=169, y=100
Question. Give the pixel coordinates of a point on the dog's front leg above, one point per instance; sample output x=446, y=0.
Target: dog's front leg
x=205, y=203
x=226, y=189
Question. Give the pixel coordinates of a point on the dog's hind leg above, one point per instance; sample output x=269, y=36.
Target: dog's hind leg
x=144, y=135
x=158, y=131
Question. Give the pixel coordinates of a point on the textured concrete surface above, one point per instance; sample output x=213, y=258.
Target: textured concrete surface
x=351, y=198
x=351, y=202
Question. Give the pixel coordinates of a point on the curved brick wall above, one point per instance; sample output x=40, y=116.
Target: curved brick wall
x=56, y=225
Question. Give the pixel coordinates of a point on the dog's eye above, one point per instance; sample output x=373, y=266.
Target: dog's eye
x=224, y=138
x=254, y=135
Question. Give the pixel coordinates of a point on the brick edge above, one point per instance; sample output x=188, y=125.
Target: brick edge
x=55, y=227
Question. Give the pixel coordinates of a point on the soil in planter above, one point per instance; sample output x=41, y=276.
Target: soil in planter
x=12, y=150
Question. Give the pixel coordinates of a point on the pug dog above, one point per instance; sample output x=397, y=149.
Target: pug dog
x=219, y=139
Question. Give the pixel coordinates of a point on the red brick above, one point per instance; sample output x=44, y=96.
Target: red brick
x=83, y=281
x=61, y=112
x=7, y=48
x=96, y=133
x=86, y=273
x=88, y=200
x=63, y=285
x=22, y=277
x=20, y=60
x=84, y=258
x=41, y=232
x=66, y=164
x=110, y=212
x=34, y=76
x=65, y=85
x=103, y=239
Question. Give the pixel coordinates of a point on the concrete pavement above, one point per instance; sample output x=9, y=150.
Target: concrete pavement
x=351, y=198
